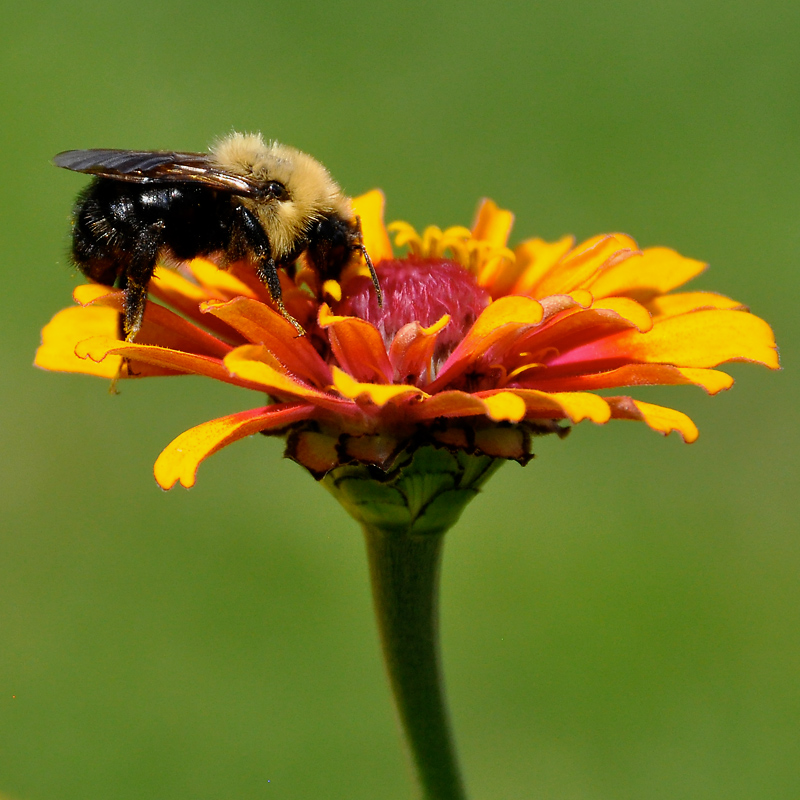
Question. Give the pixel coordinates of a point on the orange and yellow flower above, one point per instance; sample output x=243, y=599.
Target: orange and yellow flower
x=476, y=348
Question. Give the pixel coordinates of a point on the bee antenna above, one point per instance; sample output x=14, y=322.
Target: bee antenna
x=374, y=275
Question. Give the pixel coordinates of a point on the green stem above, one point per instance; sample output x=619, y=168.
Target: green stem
x=404, y=568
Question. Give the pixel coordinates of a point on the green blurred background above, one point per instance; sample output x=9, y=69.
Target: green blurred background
x=620, y=619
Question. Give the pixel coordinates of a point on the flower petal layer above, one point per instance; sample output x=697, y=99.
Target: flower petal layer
x=259, y=324
x=256, y=364
x=496, y=329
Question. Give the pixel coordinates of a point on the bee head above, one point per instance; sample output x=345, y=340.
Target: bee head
x=298, y=190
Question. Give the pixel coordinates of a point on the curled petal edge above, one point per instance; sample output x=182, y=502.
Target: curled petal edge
x=181, y=458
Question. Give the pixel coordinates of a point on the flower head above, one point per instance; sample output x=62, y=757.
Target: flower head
x=477, y=347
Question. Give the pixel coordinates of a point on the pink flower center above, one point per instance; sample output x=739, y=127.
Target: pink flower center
x=418, y=290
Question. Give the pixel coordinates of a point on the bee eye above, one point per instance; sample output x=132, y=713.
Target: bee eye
x=276, y=190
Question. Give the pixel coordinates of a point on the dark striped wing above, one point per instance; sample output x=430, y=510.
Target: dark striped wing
x=156, y=166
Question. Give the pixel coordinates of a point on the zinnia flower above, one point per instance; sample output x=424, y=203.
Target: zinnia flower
x=403, y=411
x=476, y=348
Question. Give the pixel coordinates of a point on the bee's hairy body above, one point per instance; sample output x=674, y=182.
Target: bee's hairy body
x=266, y=203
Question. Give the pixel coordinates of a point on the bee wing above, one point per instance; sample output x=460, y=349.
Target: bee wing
x=156, y=166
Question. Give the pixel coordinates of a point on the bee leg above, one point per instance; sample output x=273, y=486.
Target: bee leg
x=138, y=274
x=256, y=241
x=267, y=272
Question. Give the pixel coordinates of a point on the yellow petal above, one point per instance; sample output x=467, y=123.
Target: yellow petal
x=369, y=207
x=580, y=267
x=492, y=223
x=711, y=380
x=250, y=363
x=575, y=405
x=536, y=258
x=379, y=394
x=259, y=324
x=171, y=283
x=661, y=419
x=91, y=293
x=655, y=271
x=670, y=305
x=505, y=406
x=222, y=283
x=629, y=310
x=67, y=329
x=181, y=458
x=701, y=339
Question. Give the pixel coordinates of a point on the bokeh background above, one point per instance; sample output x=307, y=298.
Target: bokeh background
x=620, y=618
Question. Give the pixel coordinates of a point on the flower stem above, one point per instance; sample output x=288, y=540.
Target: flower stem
x=404, y=568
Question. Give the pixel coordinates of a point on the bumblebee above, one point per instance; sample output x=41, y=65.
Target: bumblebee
x=245, y=199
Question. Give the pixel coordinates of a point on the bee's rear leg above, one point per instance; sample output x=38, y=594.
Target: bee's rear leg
x=137, y=276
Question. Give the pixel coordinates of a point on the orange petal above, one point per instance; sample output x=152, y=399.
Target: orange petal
x=663, y=420
x=167, y=361
x=378, y=394
x=492, y=223
x=254, y=363
x=369, y=207
x=571, y=330
x=497, y=328
x=71, y=326
x=701, y=339
x=261, y=325
x=655, y=271
x=412, y=350
x=181, y=458
x=670, y=305
x=358, y=347
x=536, y=258
x=451, y=403
x=711, y=380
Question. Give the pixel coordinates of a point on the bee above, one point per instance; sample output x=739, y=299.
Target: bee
x=244, y=199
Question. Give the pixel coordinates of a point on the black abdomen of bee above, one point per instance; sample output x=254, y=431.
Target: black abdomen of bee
x=121, y=230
